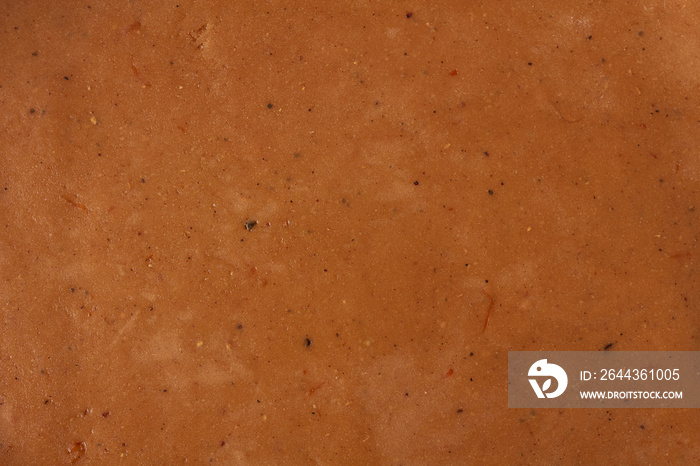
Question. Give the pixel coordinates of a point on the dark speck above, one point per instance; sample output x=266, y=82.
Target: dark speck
x=307, y=342
x=490, y=192
x=460, y=410
x=409, y=14
x=239, y=326
x=641, y=427
x=529, y=63
x=415, y=183
x=486, y=153
x=32, y=111
x=66, y=78
x=607, y=347
x=250, y=224
x=269, y=105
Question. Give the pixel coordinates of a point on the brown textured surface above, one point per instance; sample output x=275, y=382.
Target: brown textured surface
x=553, y=148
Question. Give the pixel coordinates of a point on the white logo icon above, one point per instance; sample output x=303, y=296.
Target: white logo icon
x=543, y=369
